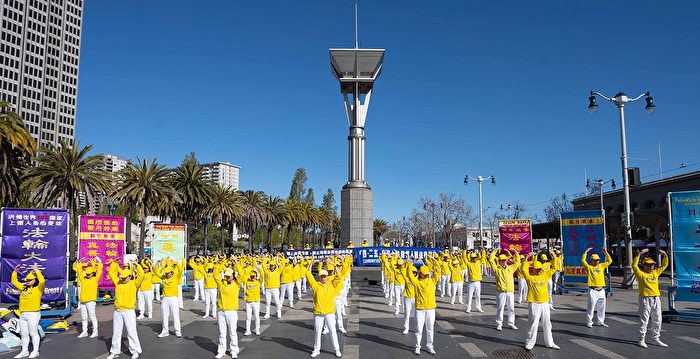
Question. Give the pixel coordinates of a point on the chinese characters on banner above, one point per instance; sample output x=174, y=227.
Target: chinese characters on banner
x=34, y=239
x=516, y=234
x=581, y=230
x=168, y=241
x=369, y=256
x=685, y=227
x=102, y=237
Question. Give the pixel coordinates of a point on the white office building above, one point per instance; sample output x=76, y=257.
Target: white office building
x=223, y=173
x=39, y=61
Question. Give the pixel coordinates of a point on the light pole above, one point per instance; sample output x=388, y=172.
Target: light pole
x=599, y=185
x=432, y=220
x=481, y=179
x=620, y=100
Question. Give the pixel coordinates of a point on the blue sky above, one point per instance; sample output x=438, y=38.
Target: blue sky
x=468, y=87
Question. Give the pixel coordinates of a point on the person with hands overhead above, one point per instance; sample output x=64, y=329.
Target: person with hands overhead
x=126, y=283
x=474, y=264
x=272, y=274
x=324, y=292
x=538, y=301
x=503, y=271
x=425, y=286
x=229, y=283
x=170, y=273
x=649, y=296
x=596, y=284
x=145, y=294
x=30, y=291
x=88, y=274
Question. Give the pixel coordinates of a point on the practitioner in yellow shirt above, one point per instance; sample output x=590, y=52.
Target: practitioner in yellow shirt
x=229, y=284
x=144, y=296
x=474, y=262
x=30, y=291
x=425, y=287
x=211, y=272
x=457, y=279
x=126, y=282
x=252, y=299
x=365, y=243
x=538, y=301
x=503, y=271
x=409, y=298
x=88, y=274
x=287, y=282
x=170, y=273
x=197, y=264
x=297, y=273
x=649, y=296
x=272, y=274
x=399, y=282
x=596, y=284
x=324, y=293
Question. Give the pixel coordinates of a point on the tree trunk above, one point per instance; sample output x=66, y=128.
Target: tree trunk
x=72, y=243
x=223, y=237
x=303, y=236
x=142, y=232
x=269, y=238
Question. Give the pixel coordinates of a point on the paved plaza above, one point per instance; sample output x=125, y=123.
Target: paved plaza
x=374, y=332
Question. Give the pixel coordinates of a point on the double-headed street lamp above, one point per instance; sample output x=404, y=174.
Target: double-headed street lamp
x=599, y=185
x=481, y=179
x=620, y=100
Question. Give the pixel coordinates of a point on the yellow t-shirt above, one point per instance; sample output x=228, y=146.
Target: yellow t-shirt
x=324, y=294
x=474, y=270
x=504, y=277
x=147, y=283
x=596, y=274
x=425, y=291
x=88, y=286
x=252, y=290
x=456, y=273
x=649, y=282
x=287, y=275
x=29, y=297
x=227, y=295
x=272, y=278
x=124, y=294
x=210, y=279
x=537, y=291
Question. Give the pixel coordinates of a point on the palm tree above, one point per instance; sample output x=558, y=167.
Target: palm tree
x=275, y=215
x=324, y=219
x=17, y=147
x=225, y=206
x=309, y=218
x=195, y=190
x=63, y=173
x=292, y=217
x=253, y=213
x=379, y=227
x=146, y=186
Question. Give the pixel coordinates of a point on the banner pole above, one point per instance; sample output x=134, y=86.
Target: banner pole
x=670, y=237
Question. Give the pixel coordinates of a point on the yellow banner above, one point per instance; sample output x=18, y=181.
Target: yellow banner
x=582, y=221
x=102, y=236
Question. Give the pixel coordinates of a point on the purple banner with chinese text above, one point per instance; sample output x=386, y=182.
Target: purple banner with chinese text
x=102, y=237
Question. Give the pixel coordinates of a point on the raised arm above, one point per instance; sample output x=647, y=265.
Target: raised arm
x=112, y=272
x=15, y=281
x=492, y=259
x=584, y=257
x=664, y=262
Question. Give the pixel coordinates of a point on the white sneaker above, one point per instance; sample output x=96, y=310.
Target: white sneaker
x=325, y=331
x=480, y=310
x=469, y=310
x=660, y=343
x=589, y=325
x=205, y=316
x=267, y=316
x=94, y=335
x=150, y=316
x=83, y=335
x=315, y=354
x=33, y=355
x=432, y=351
x=499, y=328
x=604, y=325
x=396, y=314
x=178, y=334
x=22, y=355
x=219, y=355
x=342, y=330
x=551, y=307
x=554, y=346
x=528, y=347
x=512, y=326
x=257, y=332
x=234, y=355
x=405, y=331
x=112, y=356
x=642, y=344
x=163, y=335
x=338, y=353
x=247, y=333
x=135, y=356
x=140, y=316
x=417, y=351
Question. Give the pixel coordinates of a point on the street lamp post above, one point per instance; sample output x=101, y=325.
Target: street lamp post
x=480, y=179
x=432, y=220
x=620, y=100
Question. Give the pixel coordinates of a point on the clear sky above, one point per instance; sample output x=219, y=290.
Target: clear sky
x=477, y=87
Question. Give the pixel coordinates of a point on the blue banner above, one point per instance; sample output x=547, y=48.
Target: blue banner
x=319, y=253
x=581, y=230
x=685, y=229
x=369, y=256
x=34, y=239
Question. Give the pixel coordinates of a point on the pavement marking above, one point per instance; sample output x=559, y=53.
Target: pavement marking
x=470, y=348
x=351, y=351
x=595, y=348
x=622, y=320
x=691, y=339
x=446, y=325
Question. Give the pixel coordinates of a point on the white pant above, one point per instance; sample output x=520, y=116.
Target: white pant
x=444, y=281
x=505, y=299
x=648, y=307
x=180, y=303
x=338, y=312
x=549, y=289
x=29, y=328
x=273, y=294
x=391, y=293
x=409, y=305
x=145, y=302
x=287, y=289
x=210, y=298
x=596, y=302
x=297, y=284
x=537, y=311
x=252, y=310
x=120, y=319
x=458, y=290
x=170, y=305
x=522, y=290
x=87, y=311
x=398, y=295
x=198, y=289
x=474, y=289
x=227, y=322
x=156, y=290
x=329, y=321
x=303, y=285
x=425, y=318
x=557, y=274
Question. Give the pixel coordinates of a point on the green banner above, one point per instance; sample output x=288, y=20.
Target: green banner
x=168, y=241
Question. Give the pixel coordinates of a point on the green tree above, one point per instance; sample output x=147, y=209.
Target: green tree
x=293, y=217
x=253, y=213
x=329, y=201
x=225, y=206
x=195, y=190
x=274, y=215
x=298, y=189
x=379, y=227
x=310, y=197
x=147, y=186
x=309, y=218
x=17, y=147
x=63, y=173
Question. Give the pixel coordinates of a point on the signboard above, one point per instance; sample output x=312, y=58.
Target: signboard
x=369, y=256
x=319, y=253
x=34, y=239
x=102, y=237
x=685, y=240
x=581, y=230
x=516, y=234
x=168, y=241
